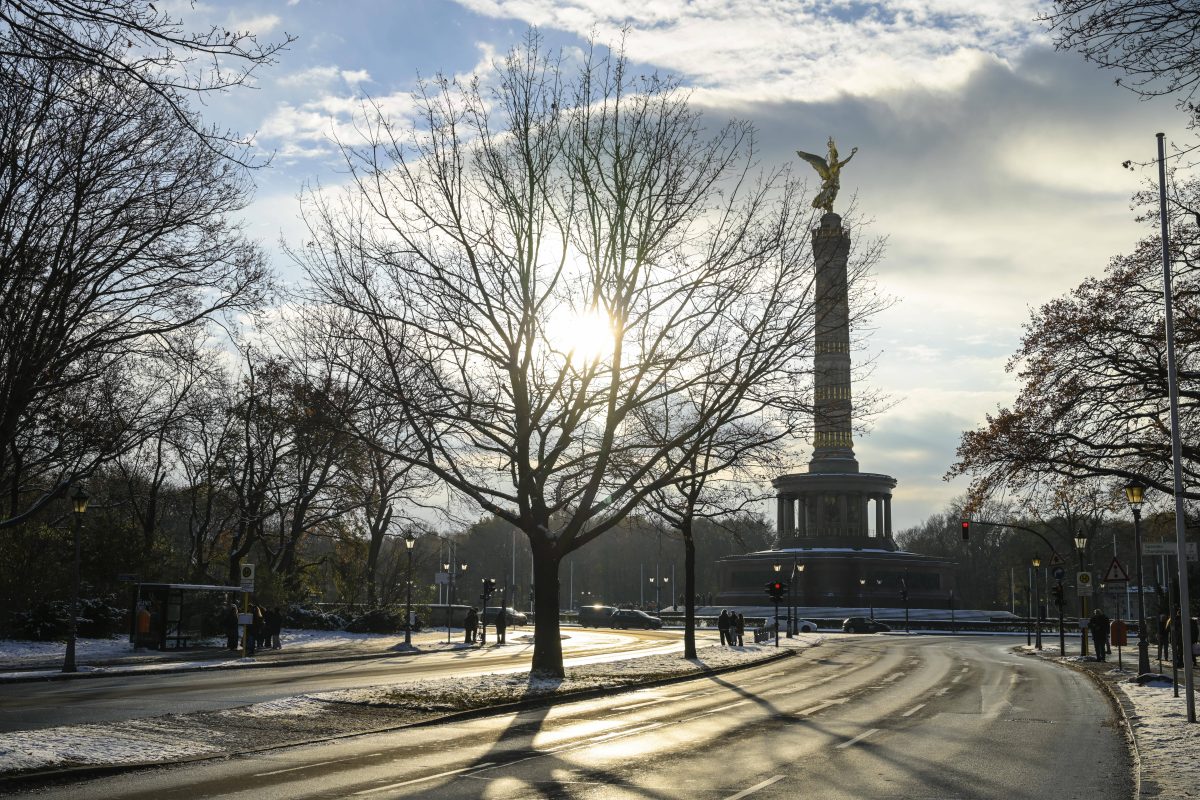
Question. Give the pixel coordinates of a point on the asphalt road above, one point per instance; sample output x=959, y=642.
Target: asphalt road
x=859, y=717
x=26, y=706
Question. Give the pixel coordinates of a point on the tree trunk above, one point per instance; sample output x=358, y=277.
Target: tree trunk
x=689, y=588
x=547, y=646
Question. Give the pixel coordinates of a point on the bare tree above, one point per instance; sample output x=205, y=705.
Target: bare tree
x=1156, y=44
x=133, y=43
x=115, y=234
x=521, y=213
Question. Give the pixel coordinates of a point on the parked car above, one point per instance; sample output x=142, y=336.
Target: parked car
x=595, y=616
x=863, y=625
x=515, y=618
x=632, y=618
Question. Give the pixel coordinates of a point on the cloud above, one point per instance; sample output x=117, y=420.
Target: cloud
x=321, y=76
x=259, y=25
x=747, y=50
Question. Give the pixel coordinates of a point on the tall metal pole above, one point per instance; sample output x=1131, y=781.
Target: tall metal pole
x=69, y=658
x=1037, y=613
x=1143, y=639
x=408, y=599
x=1185, y=627
x=1029, y=608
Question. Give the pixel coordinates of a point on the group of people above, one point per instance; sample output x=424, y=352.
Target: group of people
x=261, y=634
x=1170, y=636
x=471, y=626
x=732, y=627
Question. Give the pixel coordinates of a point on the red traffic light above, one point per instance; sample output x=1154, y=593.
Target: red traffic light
x=966, y=529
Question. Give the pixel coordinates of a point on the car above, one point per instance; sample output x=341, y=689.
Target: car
x=595, y=616
x=863, y=625
x=515, y=618
x=632, y=618
x=806, y=626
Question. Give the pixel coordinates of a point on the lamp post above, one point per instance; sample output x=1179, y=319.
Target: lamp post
x=793, y=623
x=79, y=502
x=410, y=541
x=1081, y=548
x=1135, y=494
x=862, y=591
x=1037, y=604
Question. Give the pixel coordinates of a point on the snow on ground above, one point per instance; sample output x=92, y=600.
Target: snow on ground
x=294, y=719
x=1168, y=745
x=474, y=691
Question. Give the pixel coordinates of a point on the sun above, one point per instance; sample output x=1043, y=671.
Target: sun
x=582, y=337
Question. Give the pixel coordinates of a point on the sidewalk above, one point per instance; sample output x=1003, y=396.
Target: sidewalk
x=1166, y=748
x=34, y=661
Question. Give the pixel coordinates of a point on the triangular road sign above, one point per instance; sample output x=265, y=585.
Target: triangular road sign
x=1056, y=560
x=1115, y=572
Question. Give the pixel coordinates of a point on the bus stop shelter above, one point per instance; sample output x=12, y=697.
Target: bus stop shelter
x=174, y=615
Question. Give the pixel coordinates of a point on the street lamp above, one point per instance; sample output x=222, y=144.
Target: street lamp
x=793, y=624
x=1037, y=604
x=862, y=590
x=1135, y=494
x=79, y=502
x=1081, y=542
x=410, y=541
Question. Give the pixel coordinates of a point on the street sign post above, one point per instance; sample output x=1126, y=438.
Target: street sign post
x=1083, y=584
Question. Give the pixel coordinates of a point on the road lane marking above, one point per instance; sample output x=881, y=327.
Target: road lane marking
x=893, y=677
x=913, y=710
x=956, y=679
x=755, y=788
x=941, y=692
x=293, y=769
x=426, y=778
x=642, y=704
x=626, y=732
x=819, y=706
x=858, y=738
x=723, y=708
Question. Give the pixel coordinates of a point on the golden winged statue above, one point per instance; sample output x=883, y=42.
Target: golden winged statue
x=829, y=170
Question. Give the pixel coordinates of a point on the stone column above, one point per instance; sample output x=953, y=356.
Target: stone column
x=789, y=518
x=843, y=527
x=833, y=449
x=779, y=524
x=802, y=516
x=879, y=529
x=887, y=515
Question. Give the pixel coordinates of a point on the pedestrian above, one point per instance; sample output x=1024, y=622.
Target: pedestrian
x=723, y=626
x=740, y=626
x=254, y=632
x=261, y=618
x=1195, y=635
x=470, y=625
x=274, y=620
x=1175, y=635
x=229, y=621
x=1098, y=625
x=1163, y=647
x=501, y=625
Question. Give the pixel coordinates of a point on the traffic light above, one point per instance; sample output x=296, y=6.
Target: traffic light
x=1056, y=592
x=489, y=586
x=776, y=590
x=966, y=530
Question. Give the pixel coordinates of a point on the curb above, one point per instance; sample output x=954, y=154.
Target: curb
x=18, y=781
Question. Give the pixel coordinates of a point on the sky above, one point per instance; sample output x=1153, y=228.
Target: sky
x=989, y=163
